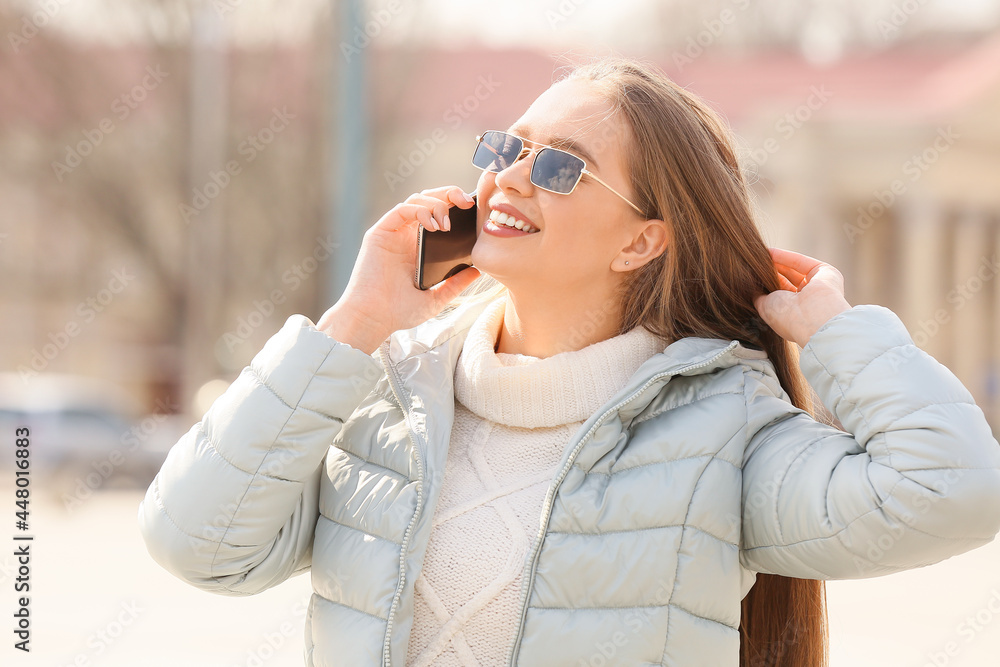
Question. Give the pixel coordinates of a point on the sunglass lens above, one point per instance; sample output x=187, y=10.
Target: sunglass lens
x=496, y=151
x=556, y=170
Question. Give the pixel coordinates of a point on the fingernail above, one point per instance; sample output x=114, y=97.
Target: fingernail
x=468, y=196
x=447, y=223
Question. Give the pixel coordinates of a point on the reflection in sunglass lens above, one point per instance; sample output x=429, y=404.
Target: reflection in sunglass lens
x=556, y=170
x=497, y=151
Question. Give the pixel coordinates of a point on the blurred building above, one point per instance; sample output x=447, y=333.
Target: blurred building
x=887, y=167
x=884, y=164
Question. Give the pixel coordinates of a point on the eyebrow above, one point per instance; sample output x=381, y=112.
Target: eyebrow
x=558, y=142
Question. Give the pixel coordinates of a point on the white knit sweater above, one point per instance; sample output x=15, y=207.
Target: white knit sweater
x=514, y=416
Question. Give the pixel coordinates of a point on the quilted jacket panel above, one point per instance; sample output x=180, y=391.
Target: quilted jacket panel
x=693, y=477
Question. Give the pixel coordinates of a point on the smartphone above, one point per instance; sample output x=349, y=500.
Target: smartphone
x=442, y=254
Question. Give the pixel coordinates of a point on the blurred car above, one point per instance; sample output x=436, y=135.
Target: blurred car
x=84, y=432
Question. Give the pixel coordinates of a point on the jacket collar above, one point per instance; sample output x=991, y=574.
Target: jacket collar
x=444, y=336
x=415, y=357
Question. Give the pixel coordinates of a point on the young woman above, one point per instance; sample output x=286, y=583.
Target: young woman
x=598, y=446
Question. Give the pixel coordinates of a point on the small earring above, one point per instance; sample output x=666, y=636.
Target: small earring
x=626, y=263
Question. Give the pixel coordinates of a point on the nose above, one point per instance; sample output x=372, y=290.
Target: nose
x=517, y=177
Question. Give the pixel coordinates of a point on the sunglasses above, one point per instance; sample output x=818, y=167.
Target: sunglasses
x=553, y=169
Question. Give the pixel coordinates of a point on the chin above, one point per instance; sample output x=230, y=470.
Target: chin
x=496, y=263
x=498, y=276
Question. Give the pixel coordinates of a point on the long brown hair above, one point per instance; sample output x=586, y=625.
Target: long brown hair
x=683, y=169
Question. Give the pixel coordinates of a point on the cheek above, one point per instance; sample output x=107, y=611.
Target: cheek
x=571, y=251
x=590, y=234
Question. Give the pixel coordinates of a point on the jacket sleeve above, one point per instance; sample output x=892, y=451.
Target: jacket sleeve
x=234, y=505
x=916, y=479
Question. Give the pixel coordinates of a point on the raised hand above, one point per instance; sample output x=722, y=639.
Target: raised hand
x=380, y=297
x=811, y=293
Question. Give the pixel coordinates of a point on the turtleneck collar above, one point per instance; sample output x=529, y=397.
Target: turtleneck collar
x=530, y=392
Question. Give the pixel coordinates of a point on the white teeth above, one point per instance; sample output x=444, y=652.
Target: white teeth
x=510, y=221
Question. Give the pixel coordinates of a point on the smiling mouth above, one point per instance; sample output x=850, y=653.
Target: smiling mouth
x=502, y=220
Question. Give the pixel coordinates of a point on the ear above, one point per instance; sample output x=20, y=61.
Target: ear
x=651, y=239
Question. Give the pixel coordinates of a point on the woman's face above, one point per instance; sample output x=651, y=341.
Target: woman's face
x=580, y=235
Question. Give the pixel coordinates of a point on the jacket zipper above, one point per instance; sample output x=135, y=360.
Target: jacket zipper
x=404, y=405
x=550, y=497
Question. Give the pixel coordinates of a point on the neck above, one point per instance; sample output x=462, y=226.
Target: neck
x=537, y=325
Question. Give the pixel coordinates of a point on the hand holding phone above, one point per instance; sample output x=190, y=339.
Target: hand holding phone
x=442, y=254
x=380, y=297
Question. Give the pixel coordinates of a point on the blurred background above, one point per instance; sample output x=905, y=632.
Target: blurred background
x=177, y=177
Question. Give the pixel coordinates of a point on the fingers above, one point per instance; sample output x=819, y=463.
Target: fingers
x=797, y=268
x=445, y=292
x=804, y=264
x=793, y=276
x=439, y=200
x=437, y=207
x=459, y=198
x=786, y=284
x=403, y=214
x=430, y=213
x=450, y=194
x=429, y=208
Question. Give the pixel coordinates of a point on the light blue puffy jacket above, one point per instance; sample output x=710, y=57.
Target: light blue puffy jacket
x=697, y=474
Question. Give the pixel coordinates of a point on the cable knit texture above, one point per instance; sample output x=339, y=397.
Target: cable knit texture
x=514, y=415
